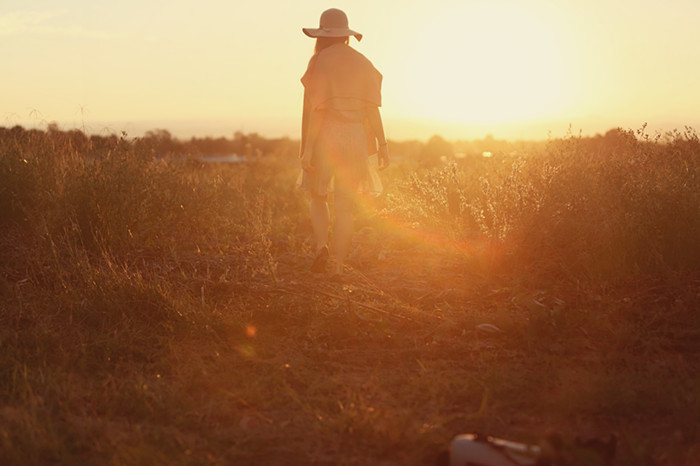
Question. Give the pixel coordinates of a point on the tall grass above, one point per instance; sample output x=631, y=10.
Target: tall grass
x=159, y=310
x=110, y=258
x=581, y=208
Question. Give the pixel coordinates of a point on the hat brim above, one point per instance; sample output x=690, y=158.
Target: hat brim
x=331, y=32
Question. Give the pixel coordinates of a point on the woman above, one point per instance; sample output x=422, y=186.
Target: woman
x=341, y=127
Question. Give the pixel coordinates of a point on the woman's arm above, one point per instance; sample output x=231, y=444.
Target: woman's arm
x=375, y=122
x=304, y=124
x=310, y=127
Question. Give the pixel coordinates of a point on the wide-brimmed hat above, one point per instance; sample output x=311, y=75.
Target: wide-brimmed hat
x=333, y=23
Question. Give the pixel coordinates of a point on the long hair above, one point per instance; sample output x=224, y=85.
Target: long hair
x=323, y=42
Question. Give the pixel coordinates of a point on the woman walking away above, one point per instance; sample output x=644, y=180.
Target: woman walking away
x=341, y=126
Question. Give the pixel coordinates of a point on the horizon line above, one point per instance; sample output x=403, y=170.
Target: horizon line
x=281, y=128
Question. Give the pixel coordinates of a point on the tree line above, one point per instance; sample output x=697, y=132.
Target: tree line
x=161, y=143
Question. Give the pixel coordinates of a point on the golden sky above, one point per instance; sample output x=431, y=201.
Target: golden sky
x=462, y=69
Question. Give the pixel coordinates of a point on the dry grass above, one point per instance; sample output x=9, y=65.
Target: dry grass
x=160, y=312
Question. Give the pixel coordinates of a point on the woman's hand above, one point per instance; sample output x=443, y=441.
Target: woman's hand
x=375, y=122
x=383, y=156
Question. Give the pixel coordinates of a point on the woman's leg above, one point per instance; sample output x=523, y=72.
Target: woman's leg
x=319, y=220
x=342, y=230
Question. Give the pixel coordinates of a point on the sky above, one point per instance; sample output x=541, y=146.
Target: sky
x=525, y=69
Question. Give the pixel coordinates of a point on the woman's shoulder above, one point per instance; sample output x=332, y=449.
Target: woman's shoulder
x=345, y=51
x=309, y=68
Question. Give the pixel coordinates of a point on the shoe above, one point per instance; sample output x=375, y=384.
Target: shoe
x=319, y=263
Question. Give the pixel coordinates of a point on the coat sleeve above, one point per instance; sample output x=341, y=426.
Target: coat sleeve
x=304, y=124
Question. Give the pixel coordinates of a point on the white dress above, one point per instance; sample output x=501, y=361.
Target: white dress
x=340, y=160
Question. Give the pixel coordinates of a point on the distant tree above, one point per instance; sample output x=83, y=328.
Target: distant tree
x=618, y=141
x=160, y=142
x=434, y=151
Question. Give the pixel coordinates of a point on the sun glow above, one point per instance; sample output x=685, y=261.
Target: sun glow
x=484, y=63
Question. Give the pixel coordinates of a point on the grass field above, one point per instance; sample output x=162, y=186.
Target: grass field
x=159, y=311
